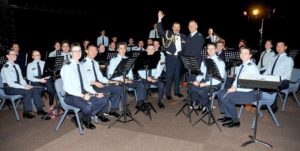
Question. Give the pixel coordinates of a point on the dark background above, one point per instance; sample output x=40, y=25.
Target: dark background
x=40, y=22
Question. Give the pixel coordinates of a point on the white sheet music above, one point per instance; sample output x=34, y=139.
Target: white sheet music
x=269, y=78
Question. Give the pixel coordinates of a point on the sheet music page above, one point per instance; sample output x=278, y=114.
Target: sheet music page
x=269, y=78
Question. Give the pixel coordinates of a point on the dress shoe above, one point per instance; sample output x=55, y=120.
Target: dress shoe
x=161, y=105
x=103, y=118
x=225, y=119
x=89, y=125
x=169, y=97
x=140, y=107
x=179, y=95
x=28, y=115
x=41, y=112
x=231, y=124
x=115, y=114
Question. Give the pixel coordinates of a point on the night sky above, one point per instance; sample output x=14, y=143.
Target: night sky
x=135, y=18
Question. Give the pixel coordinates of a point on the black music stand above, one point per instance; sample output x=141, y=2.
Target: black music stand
x=53, y=65
x=146, y=62
x=258, y=84
x=191, y=65
x=122, y=70
x=212, y=72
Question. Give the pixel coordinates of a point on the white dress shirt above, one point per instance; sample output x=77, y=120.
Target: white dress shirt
x=265, y=58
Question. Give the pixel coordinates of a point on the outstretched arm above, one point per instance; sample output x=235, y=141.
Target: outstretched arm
x=160, y=28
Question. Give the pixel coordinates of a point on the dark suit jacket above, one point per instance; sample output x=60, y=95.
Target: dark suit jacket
x=168, y=34
x=194, y=46
x=222, y=56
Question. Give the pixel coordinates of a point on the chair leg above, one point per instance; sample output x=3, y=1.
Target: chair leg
x=78, y=123
x=240, y=112
x=273, y=116
x=284, y=101
x=295, y=96
x=61, y=120
x=2, y=103
x=280, y=97
x=15, y=109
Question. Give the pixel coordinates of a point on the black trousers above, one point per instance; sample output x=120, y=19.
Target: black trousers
x=49, y=87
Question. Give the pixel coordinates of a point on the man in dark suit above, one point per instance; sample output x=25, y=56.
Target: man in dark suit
x=220, y=49
x=194, y=44
x=173, y=43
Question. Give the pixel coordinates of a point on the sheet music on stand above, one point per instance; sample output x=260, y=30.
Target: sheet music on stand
x=133, y=53
x=2, y=60
x=204, y=53
x=190, y=63
x=231, y=55
x=111, y=55
x=293, y=53
x=52, y=65
x=124, y=66
x=212, y=69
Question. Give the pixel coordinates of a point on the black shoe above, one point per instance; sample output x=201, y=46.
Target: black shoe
x=140, y=107
x=89, y=125
x=115, y=114
x=169, y=97
x=28, y=115
x=179, y=95
x=225, y=119
x=231, y=124
x=41, y=112
x=103, y=119
x=161, y=105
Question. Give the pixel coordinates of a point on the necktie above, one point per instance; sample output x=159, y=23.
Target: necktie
x=150, y=73
x=103, y=40
x=206, y=76
x=39, y=70
x=17, y=74
x=262, y=59
x=274, y=65
x=94, y=71
x=155, y=34
x=81, y=81
x=239, y=75
x=67, y=58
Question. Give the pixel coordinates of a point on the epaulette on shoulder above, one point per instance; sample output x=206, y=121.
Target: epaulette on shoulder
x=83, y=61
x=250, y=63
x=6, y=65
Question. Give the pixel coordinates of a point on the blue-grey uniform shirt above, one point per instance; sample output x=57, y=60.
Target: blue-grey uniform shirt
x=113, y=63
x=88, y=66
x=283, y=68
x=221, y=67
x=9, y=76
x=71, y=80
x=248, y=68
x=32, y=70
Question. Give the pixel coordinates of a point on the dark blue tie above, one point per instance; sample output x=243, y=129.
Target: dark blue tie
x=39, y=70
x=262, y=59
x=81, y=81
x=274, y=65
x=17, y=74
x=239, y=74
x=94, y=71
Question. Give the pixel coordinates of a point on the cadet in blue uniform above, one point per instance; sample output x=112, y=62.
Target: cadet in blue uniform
x=200, y=87
x=173, y=43
x=78, y=89
x=266, y=57
x=34, y=75
x=97, y=80
x=153, y=76
x=281, y=65
x=236, y=95
x=14, y=84
x=137, y=85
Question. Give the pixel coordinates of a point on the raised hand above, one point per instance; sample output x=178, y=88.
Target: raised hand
x=160, y=15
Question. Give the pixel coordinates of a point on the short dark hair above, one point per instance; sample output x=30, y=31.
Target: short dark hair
x=281, y=41
x=211, y=44
x=90, y=45
x=250, y=51
x=8, y=51
x=122, y=43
